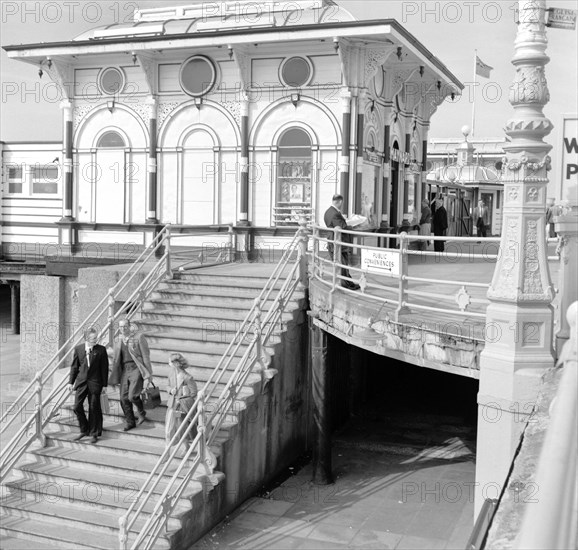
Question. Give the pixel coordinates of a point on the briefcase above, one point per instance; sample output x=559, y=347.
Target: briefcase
x=151, y=397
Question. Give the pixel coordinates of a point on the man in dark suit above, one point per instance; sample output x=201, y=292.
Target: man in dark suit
x=440, y=224
x=130, y=366
x=334, y=218
x=482, y=219
x=89, y=377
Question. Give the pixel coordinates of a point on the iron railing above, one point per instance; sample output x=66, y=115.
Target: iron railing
x=48, y=392
x=212, y=405
x=390, y=283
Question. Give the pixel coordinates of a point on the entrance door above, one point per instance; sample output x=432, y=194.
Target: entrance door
x=110, y=193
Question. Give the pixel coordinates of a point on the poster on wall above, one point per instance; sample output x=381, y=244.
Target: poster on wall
x=569, y=172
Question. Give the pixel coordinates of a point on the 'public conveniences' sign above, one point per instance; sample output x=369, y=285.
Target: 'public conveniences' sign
x=382, y=262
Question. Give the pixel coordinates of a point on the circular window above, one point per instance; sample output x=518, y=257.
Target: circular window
x=198, y=76
x=111, y=80
x=296, y=72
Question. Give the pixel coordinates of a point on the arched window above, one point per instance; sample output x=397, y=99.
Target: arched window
x=293, y=177
x=110, y=140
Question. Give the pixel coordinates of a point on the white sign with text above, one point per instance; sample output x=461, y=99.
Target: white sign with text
x=383, y=262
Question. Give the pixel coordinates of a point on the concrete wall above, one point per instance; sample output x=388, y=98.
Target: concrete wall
x=43, y=323
x=448, y=345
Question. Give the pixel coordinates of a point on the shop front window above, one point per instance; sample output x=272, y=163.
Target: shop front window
x=293, y=178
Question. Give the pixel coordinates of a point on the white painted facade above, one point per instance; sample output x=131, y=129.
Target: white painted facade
x=370, y=76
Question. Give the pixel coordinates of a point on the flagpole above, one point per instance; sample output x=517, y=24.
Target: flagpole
x=475, y=92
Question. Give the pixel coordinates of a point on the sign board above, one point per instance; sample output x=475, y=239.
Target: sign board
x=569, y=147
x=561, y=18
x=399, y=156
x=380, y=262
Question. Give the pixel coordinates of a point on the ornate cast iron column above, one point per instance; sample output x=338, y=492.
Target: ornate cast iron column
x=519, y=318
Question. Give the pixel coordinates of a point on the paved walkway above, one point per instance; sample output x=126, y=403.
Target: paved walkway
x=379, y=500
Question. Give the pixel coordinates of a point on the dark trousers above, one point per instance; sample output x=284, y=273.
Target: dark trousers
x=482, y=229
x=92, y=426
x=344, y=261
x=130, y=390
x=439, y=246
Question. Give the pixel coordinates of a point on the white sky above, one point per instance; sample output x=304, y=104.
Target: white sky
x=451, y=30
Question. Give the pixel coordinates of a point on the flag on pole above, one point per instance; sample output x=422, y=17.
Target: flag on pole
x=482, y=69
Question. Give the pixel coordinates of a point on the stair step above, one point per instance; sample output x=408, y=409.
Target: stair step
x=208, y=305
x=229, y=287
x=86, y=458
x=161, y=341
x=14, y=543
x=201, y=374
x=68, y=513
x=213, y=316
x=155, y=435
x=52, y=531
x=155, y=417
x=209, y=335
x=226, y=280
x=212, y=294
x=56, y=482
x=118, y=448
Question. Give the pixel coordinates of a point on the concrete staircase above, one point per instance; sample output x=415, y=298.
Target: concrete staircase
x=71, y=494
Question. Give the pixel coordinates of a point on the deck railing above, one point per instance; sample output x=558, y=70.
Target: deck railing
x=397, y=282
x=212, y=404
x=48, y=392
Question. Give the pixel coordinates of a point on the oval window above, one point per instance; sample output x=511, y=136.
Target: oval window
x=111, y=81
x=296, y=72
x=198, y=76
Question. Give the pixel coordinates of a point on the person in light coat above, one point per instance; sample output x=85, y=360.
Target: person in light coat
x=182, y=390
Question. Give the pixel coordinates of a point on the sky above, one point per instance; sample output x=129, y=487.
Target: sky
x=451, y=30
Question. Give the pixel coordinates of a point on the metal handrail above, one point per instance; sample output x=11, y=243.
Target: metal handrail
x=550, y=521
x=401, y=290
x=209, y=423
x=46, y=407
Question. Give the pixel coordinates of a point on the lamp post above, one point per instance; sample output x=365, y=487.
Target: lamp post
x=520, y=316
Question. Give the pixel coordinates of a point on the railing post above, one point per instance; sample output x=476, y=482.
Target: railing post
x=122, y=534
x=38, y=391
x=336, y=255
x=110, y=318
x=402, y=286
x=303, y=239
x=231, y=244
x=168, y=270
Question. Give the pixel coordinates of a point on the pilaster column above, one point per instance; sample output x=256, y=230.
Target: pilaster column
x=152, y=163
x=345, y=133
x=244, y=191
x=67, y=165
x=15, y=308
x=519, y=318
x=361, y=102
x=385, y=197
x=423, y=169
